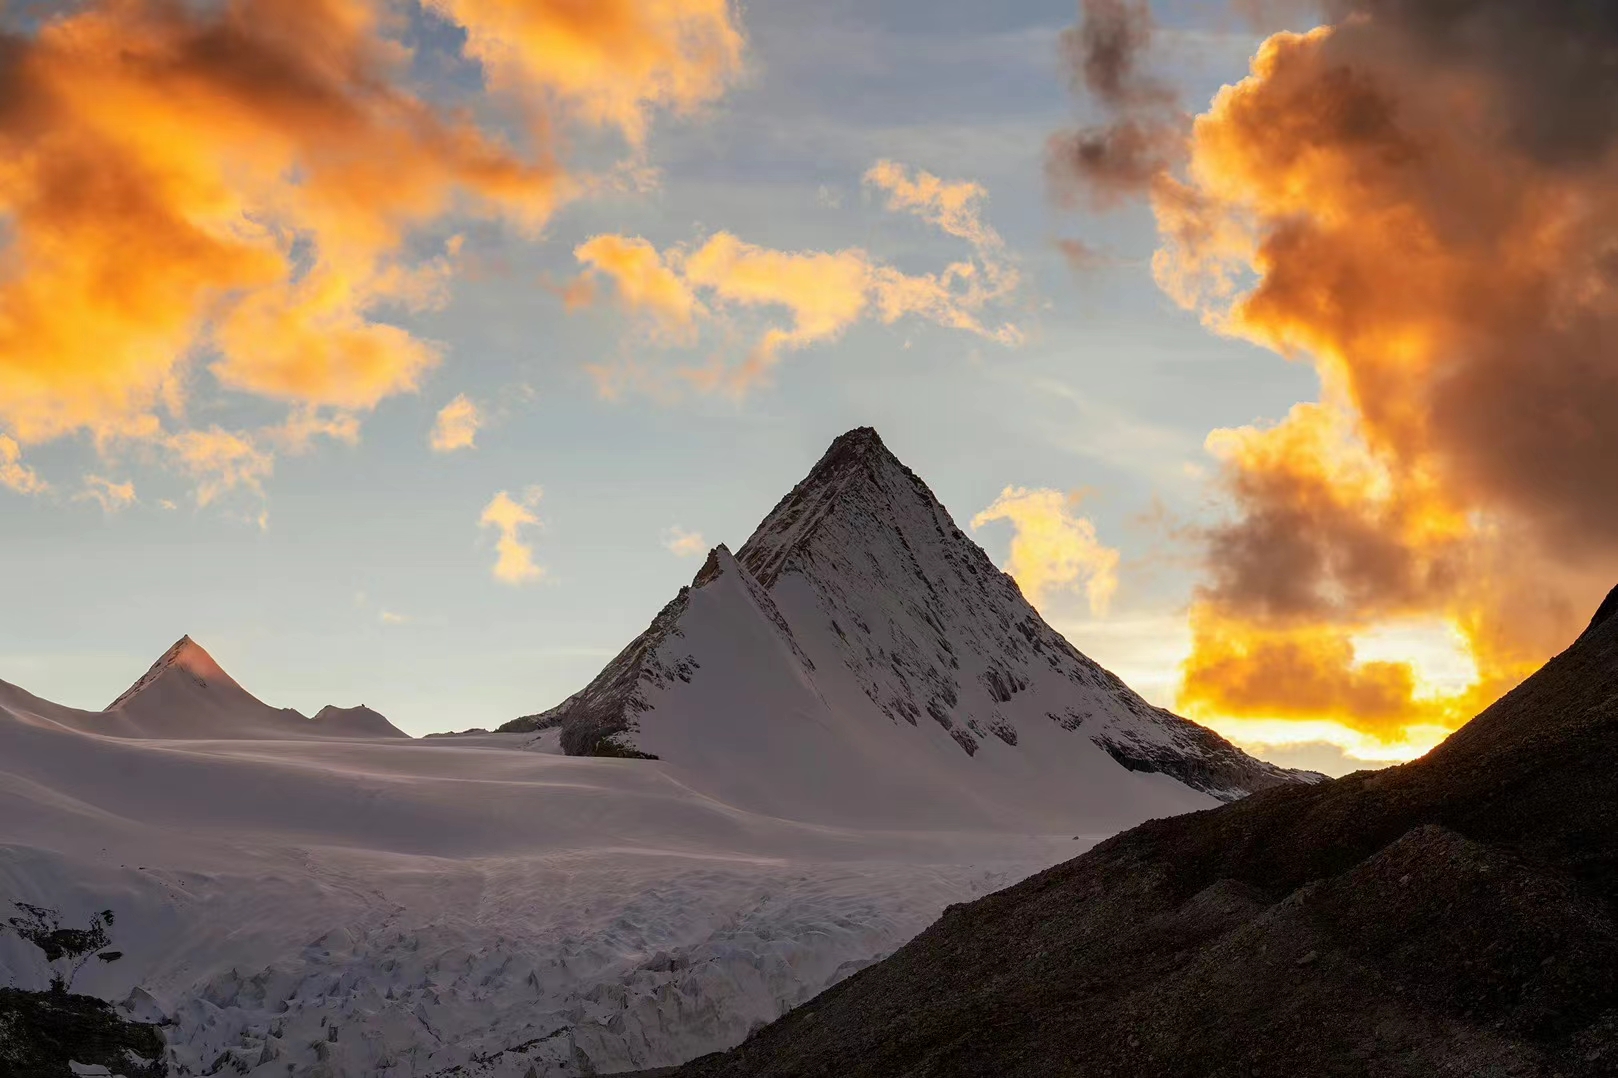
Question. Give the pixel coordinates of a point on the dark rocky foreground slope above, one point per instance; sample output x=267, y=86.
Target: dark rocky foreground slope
x=1453, y=916
x=43, y=1033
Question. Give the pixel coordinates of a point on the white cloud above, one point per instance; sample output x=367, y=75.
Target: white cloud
x=684, y=544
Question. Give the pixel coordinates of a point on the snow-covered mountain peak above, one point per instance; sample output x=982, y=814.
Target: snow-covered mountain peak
x=185, y=658
x=857, y=471
x=187, y=695
x=858, y=622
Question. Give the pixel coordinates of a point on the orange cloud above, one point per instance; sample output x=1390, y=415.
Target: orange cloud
x=221, y=461
x=955, y=208
x=1427, y=218
x=306, y=423
x=610, y=61
x=821, y=293
x=241, y=186
x=644, y=282
x=1053, y=548
x=514, y=563
x=14, y=474
x=456, y=426
x=111, y=496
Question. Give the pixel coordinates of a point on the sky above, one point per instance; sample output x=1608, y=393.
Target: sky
x=414, y=355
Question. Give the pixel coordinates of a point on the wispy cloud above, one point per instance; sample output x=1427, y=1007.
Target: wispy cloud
x=14, y=474
x=111, y=496
x=786, y=301
x=684, y=544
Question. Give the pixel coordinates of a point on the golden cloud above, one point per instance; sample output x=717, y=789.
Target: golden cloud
x=643, y=281
x=456, y=427
x=821, y=293
x=1428, y=219
x=955, y=208
x=111, y=496
x=609, y=61
x=240, y=183
x=508, y=516
x=14, y=474
x=220, y=461
x=1052, y=547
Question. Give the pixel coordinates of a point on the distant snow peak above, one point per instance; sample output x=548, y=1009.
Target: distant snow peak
x=187, y=695
x=857, y=607
x=186, y=655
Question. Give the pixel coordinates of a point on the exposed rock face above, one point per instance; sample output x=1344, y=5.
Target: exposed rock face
x=1454, y=916
x=42, y=1034
x=866, y=579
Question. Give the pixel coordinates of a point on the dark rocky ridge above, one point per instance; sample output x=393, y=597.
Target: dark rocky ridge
x=42, y=1033
x=928, y=626
x=1453, y=916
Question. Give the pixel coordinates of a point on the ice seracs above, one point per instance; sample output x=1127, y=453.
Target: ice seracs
x=860, y=653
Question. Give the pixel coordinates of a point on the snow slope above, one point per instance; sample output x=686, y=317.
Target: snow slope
x=399, y=908
x=861, y=659
x=854, y=722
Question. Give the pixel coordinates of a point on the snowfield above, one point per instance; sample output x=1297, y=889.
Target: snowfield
x=447, y=906
x=857, y=721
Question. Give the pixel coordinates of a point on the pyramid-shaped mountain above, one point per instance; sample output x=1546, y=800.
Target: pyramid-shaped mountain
x=187, y=695
x=860, y=649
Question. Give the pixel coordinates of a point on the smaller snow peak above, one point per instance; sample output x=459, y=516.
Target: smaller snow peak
x=359, y=721
x=186, y=655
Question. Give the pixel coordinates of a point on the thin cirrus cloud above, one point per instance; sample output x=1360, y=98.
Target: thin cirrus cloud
x=1426, y=218
x=508, y=517
x=456, y=427
x=801, y=298
x=275, y=165
x=684, y=544
x=1053, y=548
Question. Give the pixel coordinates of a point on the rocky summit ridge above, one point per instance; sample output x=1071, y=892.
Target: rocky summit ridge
x=866, y=580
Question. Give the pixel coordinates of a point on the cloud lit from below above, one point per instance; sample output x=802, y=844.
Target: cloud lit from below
x=246, y=189
x=1421, y=204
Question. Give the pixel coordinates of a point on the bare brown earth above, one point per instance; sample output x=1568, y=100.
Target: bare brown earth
x=1453, y=916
